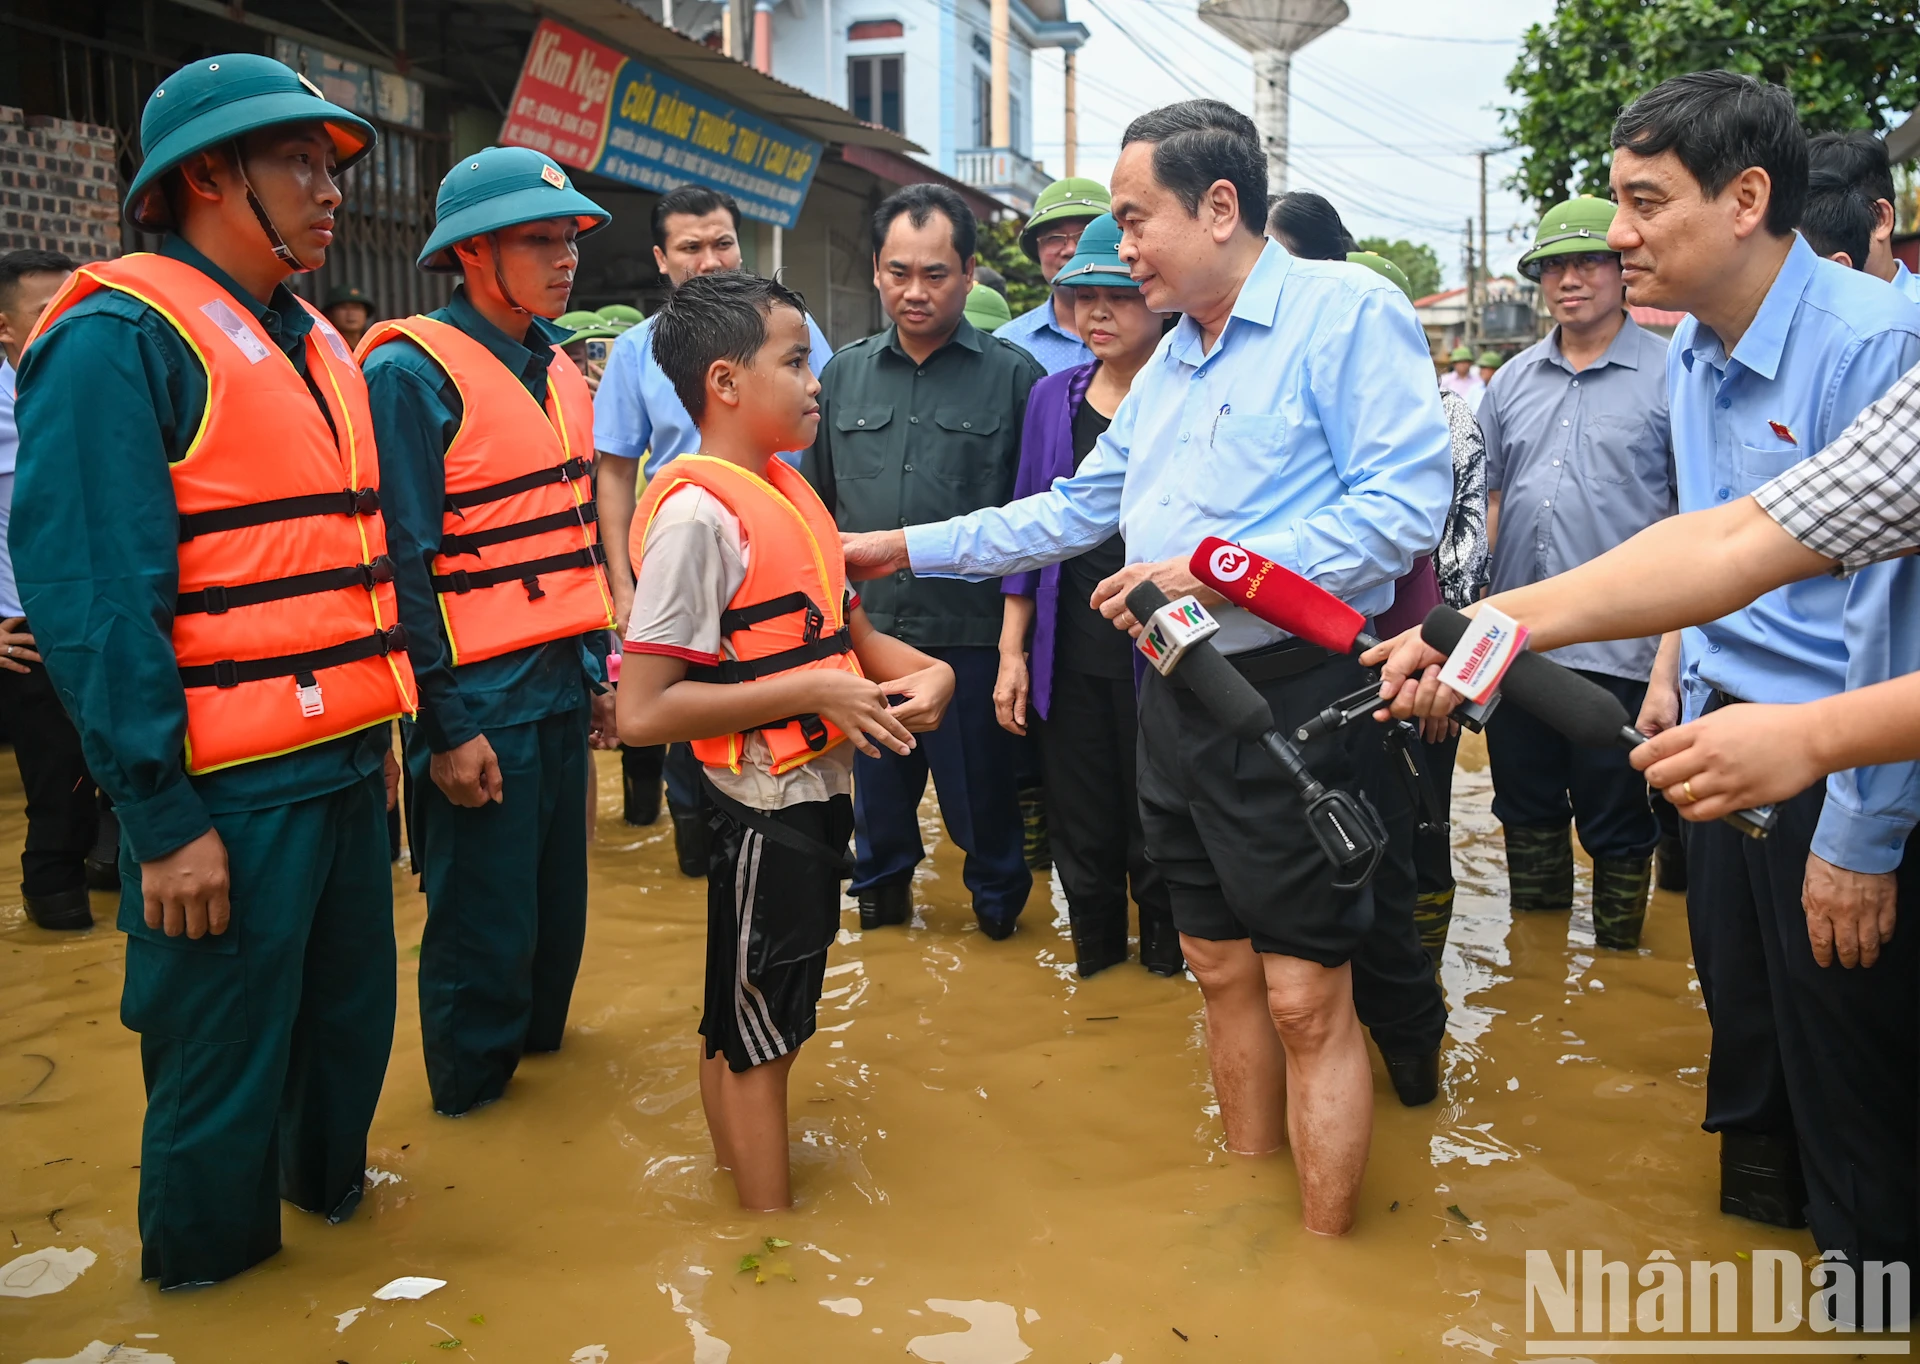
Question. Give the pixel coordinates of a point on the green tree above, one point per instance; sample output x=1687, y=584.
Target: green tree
x=1421, y=266
x=999, y=246
x=1847, y=63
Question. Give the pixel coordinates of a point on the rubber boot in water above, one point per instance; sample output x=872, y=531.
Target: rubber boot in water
x=1760, y=1179
x=1416, y=1079
x=1099, y=936
x=1540, y=867
x=885, y=906
x=62, y=911
x=640, y=783
x=1160, y=943
x=1037, y=843
x=1620, y=889
x=1433, y=916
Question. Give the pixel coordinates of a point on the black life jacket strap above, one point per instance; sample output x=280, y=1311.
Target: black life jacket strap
x=568, y=472
x=748, y=670
x=583, y=515
x=231, y=673
x=346, y=502
x=467, y=580
x=216, y=601
x=745, y=617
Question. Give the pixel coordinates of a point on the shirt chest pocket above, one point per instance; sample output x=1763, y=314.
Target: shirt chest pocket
x=1238, y=455
x=1755, y=464
x=964, y=451
x=862, y=436
x=1619, y=447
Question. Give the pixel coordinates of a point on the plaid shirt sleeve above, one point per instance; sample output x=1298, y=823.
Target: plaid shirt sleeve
x=1858, y=500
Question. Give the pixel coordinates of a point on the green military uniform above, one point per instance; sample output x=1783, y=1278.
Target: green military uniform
x=506, y=883
x=264, y=1047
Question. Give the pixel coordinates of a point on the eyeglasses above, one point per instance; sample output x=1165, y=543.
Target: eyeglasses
x=1060, y=241
x=1583, y=261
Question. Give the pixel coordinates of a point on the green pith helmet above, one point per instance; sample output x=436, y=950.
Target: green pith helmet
x=211, y=103
x=502, y=187
x=1062, y=201
x=1380, y=265
x=1460, y=353
x=1577, y=225
x=1098, y=259
x=986, y=309
x=621, y=316
x=1488, y=360
x=348, y=293
x=585, y=326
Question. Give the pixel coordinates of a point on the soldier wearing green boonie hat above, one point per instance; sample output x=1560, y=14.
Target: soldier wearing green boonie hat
x=1460, y=380
x=486, y=434
x=248, y=779
x=349, y=308
x=1050, y=237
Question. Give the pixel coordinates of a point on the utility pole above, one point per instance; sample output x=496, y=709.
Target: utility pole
x=1484, y=263
x=1472, y=327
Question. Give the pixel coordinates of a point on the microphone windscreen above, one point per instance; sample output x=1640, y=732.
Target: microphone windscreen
x=1228, y=697
x=1276, y=595
x=1582, y=710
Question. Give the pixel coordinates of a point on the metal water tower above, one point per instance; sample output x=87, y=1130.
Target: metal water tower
x=1272, y=31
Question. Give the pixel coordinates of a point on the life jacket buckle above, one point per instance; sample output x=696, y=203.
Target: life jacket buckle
x=816, y=621
x=393, y=639
x=532, y=583
x=215, y=599
x=460, y=582
x=366, y=501
x=226, y=673
x=307, y=688
x=379, y=571
x=814, y=730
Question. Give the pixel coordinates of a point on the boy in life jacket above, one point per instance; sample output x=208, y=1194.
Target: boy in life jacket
x=745, y=640
x=487, y=455
x=197, y=539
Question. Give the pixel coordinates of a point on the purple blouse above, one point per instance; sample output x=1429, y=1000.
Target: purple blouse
x=1046, y=453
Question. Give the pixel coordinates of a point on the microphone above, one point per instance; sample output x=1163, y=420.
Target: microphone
x=1348, y=832
x=1287, y=601
x=1583, y=711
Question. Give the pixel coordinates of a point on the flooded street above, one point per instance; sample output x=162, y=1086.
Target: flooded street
x=993, y=1161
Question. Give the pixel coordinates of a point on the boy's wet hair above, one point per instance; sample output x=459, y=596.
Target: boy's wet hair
x=722, y=316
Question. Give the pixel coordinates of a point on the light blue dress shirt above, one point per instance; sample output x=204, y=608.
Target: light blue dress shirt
x=637, y=415
x=1312, y=434
x=1039, y=334
x=1826, y=342
x=9, y=451
x=1906, y=281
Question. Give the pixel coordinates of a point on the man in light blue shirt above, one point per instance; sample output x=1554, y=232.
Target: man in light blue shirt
x=1050, y=237
x=1781, y=351
x=639, y=425
x=1293, y=410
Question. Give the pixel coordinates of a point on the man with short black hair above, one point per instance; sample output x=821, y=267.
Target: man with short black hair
x=1838, y=221
x=1319, y=368
x=62, y=813
x=917, y=423
x=639, y=425
x=1859, y=159
x=1812, y=1067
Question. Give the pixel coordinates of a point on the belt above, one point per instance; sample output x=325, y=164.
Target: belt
x=1272, y=662
x=1719, y=700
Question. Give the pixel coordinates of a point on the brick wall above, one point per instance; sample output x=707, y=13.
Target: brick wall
x=59, y=186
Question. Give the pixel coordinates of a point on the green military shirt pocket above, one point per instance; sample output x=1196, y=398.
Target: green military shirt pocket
x=970, y=455
x=192, y=989
x=861, y=440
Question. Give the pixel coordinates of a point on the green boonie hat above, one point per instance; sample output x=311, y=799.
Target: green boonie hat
x=1488, y=360
x=1098, y=259
x=1063, y=200
x=210, y=103
x=1380, y=265
x=502, y=187
x=348, y=293
x=1578, y=225
x=1460, y=353
x=986, y=309
x=622, y=316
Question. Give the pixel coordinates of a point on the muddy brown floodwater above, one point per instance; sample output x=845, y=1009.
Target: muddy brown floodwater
x=994, y=1161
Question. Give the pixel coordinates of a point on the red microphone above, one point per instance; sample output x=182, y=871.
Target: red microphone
x=1280, y=596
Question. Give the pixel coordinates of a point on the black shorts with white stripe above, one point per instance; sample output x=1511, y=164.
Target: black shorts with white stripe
x=772, y=913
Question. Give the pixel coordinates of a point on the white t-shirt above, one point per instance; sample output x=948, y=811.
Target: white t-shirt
x=692, y=564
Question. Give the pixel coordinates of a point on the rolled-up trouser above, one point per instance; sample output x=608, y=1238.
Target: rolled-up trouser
x=264, y=1047
x=506, y=888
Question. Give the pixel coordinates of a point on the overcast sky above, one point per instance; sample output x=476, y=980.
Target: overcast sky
x=1387, y=109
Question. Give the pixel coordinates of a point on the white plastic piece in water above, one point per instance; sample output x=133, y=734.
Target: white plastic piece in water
x=707, y=1347
x=99, y=1352
x=589, y=1354
x=377, y=1176
x=846, y=1307
x=347, y=1318
x=1029, y=1316
x=409, y=1287
x=992, y=1335
x=40, y=1272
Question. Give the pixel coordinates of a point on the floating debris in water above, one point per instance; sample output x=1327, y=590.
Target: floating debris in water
x=408, y=1287
x=40, y=1272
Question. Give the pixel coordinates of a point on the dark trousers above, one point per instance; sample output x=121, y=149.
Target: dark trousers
x=1542, y=779
x=686, y=788
x=1088, y=759
x=1395, y=990
x=264, y=1047
x=975, y=766
x=1825, y=1054
x=506, y=889
x=1433, y=849
x=62, y=813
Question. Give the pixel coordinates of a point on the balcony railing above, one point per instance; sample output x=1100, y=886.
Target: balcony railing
x=1003, y=173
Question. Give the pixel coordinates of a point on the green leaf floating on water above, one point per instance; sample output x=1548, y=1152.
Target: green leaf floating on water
x=1454, y=1208
x=478, y=1319
x=747, y=1262
x=450, y=1343
x=777, y=1243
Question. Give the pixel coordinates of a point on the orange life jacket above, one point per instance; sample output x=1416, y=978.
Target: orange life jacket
x=285, y=629
x=518, y=477
x=791, y=610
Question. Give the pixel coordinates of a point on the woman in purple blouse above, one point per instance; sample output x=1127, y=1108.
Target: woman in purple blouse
x=1065, y=672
